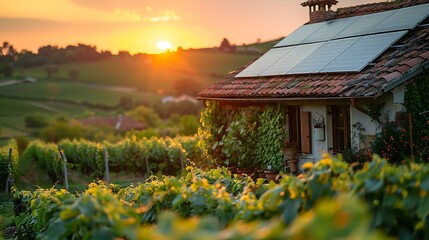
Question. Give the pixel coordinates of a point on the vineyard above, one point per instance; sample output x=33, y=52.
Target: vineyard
x=328, y=201
x=155, y=155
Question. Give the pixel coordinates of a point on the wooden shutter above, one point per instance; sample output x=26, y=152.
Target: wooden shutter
x=306, y=132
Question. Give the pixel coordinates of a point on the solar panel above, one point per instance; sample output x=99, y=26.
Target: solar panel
x=268, y=59
x=363, y=52
x=365, y=24
x=300, y=34
x=405, y=18
x=330, y=30
x=341, y=45
x=290, y=60
x=323, y=56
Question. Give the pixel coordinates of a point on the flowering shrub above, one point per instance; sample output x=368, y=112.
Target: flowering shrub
x=392, y=143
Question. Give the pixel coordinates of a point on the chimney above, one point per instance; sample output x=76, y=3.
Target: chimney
x=320, y=10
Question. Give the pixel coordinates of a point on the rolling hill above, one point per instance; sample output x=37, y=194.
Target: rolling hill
x=144, y=78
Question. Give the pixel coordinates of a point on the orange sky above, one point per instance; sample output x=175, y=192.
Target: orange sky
x=137, y=25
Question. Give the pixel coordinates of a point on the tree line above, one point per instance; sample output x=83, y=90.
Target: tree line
x=49, y=54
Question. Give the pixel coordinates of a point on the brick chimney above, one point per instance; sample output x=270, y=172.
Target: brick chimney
x=320, y=10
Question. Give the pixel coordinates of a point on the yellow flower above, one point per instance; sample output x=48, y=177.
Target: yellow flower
x=293, y=194
x=422, y=193
x=206, y=184
x=194, y=187
x=326, y=161
x=307, y=165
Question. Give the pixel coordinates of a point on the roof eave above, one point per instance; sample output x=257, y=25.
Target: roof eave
x=283, y=99
x=407, y=76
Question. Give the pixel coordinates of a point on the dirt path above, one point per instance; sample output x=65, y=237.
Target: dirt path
x=9, y=82
x=44, y=106
x=110, y=87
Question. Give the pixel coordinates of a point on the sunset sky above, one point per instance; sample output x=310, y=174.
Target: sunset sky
x=137, y=25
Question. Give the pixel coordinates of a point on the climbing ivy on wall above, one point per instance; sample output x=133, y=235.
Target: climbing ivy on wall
x=271, y=136
x=416, y=102
x=213, y=127
x=253, y=137
x=240, y=139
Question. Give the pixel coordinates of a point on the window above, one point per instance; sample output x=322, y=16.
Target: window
x=293, y=121
x=340, y=128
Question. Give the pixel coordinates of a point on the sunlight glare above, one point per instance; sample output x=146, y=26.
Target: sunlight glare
x=163, y=45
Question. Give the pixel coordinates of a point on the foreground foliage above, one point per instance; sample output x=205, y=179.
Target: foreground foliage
x=329, y=201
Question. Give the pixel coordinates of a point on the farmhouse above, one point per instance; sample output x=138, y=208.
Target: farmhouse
x=331, y=72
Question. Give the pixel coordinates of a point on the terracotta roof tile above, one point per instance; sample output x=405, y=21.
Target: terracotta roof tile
x=402, y=69
x=413, y=62
x=375, y=7
x=425, y=55
x=411, y=54
x=389, y=77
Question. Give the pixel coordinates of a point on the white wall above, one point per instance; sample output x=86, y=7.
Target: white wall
x=318, y=147
x=390, y=108
x=372, y=127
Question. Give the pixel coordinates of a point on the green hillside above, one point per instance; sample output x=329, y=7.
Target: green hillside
x=143, y=78
x=155, y=73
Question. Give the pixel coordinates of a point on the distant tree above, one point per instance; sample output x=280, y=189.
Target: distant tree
x=8, y=56
x=27, y=58
x=51, y=70
x=48, y=53
x=145, y=115
x=105, y=54
x=74, y=74
x=186, y=86
x=182, y=108
x=126, y=103
x=124, y=54
x=62, y=129
x=190, y=125
x=225, y=45
x=36, y=120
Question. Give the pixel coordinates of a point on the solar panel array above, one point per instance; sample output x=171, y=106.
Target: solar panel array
x=341, y=45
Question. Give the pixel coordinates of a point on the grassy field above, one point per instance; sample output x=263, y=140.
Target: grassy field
x=58, y=98
x=155, y=73
x=77, y=92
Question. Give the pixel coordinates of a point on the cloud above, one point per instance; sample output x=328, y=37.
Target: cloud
x=125, y=15
x=164, y=16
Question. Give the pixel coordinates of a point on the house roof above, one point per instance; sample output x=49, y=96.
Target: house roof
x=409, y=57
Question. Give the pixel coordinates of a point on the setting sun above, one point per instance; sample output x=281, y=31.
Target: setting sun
x=163, y=45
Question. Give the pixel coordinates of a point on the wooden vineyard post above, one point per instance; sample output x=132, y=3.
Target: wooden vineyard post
x=106, y=164
x=411, y=136
x=147, y=166
x=10, y=181
x=181, y=161
x=66, y=180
